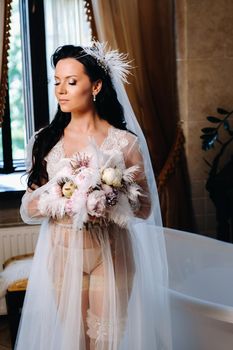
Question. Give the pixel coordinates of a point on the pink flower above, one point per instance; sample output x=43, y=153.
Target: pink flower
x=96, y=203
x=106, y=188
x=79, y=161
x=69, y=207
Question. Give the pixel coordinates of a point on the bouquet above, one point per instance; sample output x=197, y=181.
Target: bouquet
x=84, y=190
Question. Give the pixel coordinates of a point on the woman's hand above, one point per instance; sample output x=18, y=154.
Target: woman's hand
x=32, y=206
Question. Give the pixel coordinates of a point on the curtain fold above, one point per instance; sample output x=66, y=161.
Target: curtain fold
x=5, y=14
x=146, y=31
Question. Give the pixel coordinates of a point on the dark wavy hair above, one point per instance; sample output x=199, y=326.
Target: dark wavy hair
x=107, y=106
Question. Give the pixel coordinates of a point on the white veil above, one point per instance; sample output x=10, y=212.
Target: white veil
x=149, y=248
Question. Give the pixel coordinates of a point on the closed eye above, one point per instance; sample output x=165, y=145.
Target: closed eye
x=70, y=83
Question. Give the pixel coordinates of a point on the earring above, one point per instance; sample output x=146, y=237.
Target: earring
x=94, y=97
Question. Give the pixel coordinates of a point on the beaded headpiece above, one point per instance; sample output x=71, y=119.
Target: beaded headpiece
x=111, y=61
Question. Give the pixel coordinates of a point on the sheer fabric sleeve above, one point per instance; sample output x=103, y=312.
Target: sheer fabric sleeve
x=29, y=211
x=133, y=156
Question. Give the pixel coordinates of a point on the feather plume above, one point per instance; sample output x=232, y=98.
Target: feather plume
x=80, y=210
x=113, y=62
x=13, y=272
x=134, y=191
x=50, y=204
x=129, y=173
x=122, y=212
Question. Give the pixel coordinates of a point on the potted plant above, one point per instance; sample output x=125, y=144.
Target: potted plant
x=220, y=181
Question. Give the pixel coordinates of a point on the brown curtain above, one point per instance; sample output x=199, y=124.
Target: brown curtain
x=145, y=29
x=5, y=13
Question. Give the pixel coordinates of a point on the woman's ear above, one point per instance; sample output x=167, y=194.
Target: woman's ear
x=96, y=87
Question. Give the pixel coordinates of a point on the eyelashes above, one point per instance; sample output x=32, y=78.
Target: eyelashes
x=72, y=83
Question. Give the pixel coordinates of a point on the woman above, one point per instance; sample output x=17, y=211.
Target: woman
x=99, y=268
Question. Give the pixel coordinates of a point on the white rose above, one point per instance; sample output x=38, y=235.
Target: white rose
x=112, y=176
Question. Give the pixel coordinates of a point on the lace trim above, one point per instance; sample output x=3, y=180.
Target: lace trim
x=103, y=329
x=115, y=140
x=53, y=158
x=56, y=152
x=118, y=140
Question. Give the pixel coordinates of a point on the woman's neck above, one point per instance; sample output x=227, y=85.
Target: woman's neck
x=85, y=124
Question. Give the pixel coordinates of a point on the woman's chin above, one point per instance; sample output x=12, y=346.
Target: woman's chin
x=65, y=109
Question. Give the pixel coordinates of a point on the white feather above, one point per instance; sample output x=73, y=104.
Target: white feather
x=79, y=209
x=121, y=212
x=51, y=203
x=16, y=270
x=134, y=191
x=117, y=64
x=130, y=173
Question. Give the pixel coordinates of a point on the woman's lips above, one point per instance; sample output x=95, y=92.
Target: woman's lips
x=63, y=101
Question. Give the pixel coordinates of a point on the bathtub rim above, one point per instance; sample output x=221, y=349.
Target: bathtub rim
x=212, y=310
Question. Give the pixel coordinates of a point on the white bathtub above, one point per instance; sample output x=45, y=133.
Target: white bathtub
x=201, y=291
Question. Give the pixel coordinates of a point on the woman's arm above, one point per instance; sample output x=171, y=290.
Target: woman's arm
x=29, y=210
x=133, y=156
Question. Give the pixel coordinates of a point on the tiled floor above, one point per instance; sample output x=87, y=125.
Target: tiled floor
x=5, y=343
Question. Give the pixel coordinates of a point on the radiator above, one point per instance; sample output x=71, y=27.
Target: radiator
x=17, y=240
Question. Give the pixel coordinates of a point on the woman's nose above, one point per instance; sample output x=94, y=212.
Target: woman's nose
x=61, y=89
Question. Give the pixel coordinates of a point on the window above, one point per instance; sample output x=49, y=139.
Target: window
x=27, y=98
x=27, y=107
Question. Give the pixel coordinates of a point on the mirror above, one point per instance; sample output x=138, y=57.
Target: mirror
x=5, y=12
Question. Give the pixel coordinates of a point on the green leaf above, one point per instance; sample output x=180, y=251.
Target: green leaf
x=208, y=130
x=213, y=119
x=209, y=140
x=222, y=111
x=226, y=125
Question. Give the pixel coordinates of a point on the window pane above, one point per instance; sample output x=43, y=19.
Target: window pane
x=63, y=24
x=16, y=86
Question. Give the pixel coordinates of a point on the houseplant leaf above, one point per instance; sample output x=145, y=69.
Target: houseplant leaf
x=213, y=119
x=222, y=111
x=208, y=130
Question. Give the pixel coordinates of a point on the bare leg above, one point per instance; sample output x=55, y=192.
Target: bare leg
x=96, y=294
x=104, y=327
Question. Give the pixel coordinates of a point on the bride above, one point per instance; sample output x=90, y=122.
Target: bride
x=99, y=273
